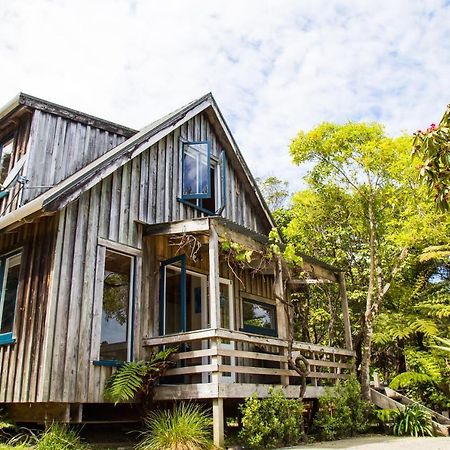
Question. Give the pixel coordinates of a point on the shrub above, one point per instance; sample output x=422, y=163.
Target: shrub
x=342, y=411
x=412, y=421
x=60, y=437
x=186, y=427
x=271, y=422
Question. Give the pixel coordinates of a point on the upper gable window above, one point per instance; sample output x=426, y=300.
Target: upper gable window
x=6, y=149
x=203, y=184
x=196, y=170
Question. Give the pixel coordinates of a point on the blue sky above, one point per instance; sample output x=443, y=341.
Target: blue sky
x=275, y=67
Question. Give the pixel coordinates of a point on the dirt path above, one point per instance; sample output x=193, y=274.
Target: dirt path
x=382, y=443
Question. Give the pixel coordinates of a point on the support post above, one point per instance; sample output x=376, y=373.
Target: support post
x=218, y=422
x=345, y=312
x=214, y=289
x=282, y=315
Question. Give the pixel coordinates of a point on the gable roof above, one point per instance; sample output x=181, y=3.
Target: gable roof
x=72, y=187
x=22, y=100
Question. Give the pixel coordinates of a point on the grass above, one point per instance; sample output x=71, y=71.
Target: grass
x=186, y=427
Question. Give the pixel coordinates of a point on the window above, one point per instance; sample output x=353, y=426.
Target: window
x=10, y=269
x=203, y=178
x=115, y=342
x=6, y=149
x=259, y=317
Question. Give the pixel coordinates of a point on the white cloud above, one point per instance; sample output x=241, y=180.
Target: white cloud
x=274, y=66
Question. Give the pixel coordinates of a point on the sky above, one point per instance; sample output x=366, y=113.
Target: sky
x=274, y=67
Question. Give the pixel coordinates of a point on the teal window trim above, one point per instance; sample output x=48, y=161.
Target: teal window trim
x=208, y=164
x=199, y=208
x=108, y=363
x=7, y=339
x=162, y=300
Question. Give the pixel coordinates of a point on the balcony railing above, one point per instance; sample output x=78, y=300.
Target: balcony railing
x=221, y=358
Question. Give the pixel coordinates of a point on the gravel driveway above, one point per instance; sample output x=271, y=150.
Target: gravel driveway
x=382, y=443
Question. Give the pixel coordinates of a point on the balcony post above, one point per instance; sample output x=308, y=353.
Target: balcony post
x=214, y=289
x=345, y=312
x=282, y=314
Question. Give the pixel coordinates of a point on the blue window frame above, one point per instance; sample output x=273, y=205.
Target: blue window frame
x=9, y=282
x=172, y=296
x=203, y=181
x=196, y=179
x=116, y=341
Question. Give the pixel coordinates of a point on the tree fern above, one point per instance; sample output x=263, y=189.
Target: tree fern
x=408, y=379
x=134, y=377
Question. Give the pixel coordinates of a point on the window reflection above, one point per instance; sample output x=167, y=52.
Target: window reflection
x=259, y=315
x=9, y=293
x=116, y=302
x=195, y=169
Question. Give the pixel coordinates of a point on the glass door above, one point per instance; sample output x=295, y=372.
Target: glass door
x=227, y=322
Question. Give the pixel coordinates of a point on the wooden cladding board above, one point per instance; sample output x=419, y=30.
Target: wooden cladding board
x=21, y=364
x=59, y=147
x=20, y=132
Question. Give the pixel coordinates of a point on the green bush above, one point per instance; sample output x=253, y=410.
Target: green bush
x=412, y=421
x=186, y=427
x=342, y=411
x=271, y=422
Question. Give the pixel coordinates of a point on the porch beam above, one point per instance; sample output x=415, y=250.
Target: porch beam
x=182, y=226
x=214, y=290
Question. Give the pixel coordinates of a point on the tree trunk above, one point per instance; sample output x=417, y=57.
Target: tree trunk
x=368, y=316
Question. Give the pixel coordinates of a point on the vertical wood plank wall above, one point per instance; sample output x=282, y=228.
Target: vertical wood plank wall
x=59, y=147
x=145, y=189
x=22, y=363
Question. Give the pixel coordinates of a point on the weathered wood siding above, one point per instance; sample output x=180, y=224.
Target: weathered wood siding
x=145, y=189
x=21, y=364
x=20, y=130
x=59, y=147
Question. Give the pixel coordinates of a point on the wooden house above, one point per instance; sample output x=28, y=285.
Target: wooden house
x=110, y=246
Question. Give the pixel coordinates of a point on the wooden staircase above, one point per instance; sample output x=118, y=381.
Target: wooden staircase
x=386, y=398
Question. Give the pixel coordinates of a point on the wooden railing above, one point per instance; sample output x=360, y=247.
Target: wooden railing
x=222, y=356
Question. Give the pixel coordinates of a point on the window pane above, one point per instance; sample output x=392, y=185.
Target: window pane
x=116, y=296
x=224, y=307
x=5, y=158
x=195, y=169
x=9, y=293
x=261, y=315
x=173, y=301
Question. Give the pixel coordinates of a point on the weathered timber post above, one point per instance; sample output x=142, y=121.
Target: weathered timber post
x=214, y=306
x=282, y=313
x=345, y=312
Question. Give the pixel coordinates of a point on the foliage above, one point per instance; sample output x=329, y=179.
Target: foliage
x=186, y=427
x=60, y=437
x=342, y=411
x=412, y=421
x=271, y=422
x=274, y=191
x=137, y=377
x=433, y=147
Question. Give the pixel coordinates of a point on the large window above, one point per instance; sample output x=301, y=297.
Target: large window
x=203, y=183
x=117, y=307
x=259, y=317
x=6, y=150
x=10, y=269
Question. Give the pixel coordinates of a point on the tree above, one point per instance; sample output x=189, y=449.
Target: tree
x=275, y=191
x=362, y=171
x=433, y=147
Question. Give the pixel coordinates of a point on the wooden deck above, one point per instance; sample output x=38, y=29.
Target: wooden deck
x=218, y=363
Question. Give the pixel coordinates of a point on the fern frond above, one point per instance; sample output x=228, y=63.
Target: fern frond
x=427, y=327
x=123, y=384
x=408, y=379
